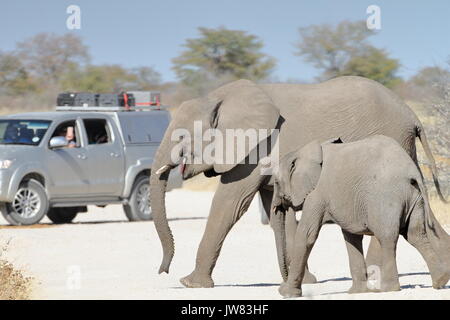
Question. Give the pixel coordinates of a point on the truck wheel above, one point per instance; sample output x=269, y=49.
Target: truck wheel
x=138, y=207
x=29, y=206
x=62, y=215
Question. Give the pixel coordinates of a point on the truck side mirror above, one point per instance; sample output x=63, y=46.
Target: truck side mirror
x=58, y=142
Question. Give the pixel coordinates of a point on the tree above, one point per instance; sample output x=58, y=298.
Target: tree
x=14, y=79
x=220, y=53
x=435, y=83
x=344, y=50
x=435, y=80
x=103, y=78
x=48, y=56
x=146, y=78
x=109, y=78
x=330, y=48
x=432, y=87
x=373, y=64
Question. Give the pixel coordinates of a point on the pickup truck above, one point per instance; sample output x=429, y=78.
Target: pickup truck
x=56, y=163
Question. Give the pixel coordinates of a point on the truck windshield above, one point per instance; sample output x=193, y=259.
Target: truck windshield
x=28, y=132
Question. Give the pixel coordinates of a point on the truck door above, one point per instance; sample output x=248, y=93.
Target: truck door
x=105, y=157
x=67, y=166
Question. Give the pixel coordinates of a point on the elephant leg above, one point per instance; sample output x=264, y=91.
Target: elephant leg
x=356, y=262
x=417, y=236
x=373, y=257
x=389, y=272
x=384, y=215
x=305, y=237
x=230, y=202
x=291, y=228
x=277, y=223
x=285, y=249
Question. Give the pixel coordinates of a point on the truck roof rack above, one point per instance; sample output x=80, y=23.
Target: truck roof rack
x=110, y=109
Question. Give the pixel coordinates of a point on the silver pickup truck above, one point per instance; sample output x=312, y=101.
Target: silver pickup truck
x=57, y=163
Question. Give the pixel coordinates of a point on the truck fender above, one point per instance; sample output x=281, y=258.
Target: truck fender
x=133, y=171
x=20, y=173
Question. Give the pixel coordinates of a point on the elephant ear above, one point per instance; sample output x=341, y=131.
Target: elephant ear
x=241, y=105
x=312, y=152
x=304, y=167
x=333, y=141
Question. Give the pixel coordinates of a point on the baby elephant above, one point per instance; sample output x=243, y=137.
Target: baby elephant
x=368, y=187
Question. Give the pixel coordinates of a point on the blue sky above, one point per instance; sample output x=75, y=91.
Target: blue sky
x=138, y=32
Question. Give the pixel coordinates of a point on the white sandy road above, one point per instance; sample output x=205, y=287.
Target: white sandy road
x=102, y=256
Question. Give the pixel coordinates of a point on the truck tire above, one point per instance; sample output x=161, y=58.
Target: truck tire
x=62, y=215
x=138, y=206
x=29, y=206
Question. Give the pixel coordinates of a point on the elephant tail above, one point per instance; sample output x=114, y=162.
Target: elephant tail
x=426, y=147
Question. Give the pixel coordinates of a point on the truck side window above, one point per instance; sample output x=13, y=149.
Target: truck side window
x=69, y=130
x=97, y=131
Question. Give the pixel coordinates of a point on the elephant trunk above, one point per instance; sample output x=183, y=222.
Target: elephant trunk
x=439, y=238
x=158, y=184
x=277, y=222
x=291, y=229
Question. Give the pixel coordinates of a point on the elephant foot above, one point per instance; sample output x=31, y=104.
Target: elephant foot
x=197, y=281
x=389, y=286
x=441, y=280
x=359, y=287
x=309, y=278
x=288, y=291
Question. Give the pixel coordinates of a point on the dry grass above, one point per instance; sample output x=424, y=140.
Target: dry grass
x=14, y=285
x=439, y=146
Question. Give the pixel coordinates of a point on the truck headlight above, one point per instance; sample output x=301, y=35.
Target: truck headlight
x=5, y=164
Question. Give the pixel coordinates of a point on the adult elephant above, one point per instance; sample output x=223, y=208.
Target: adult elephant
x=352, y=108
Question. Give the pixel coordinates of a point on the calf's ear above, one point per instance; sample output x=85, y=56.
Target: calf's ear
x=305, y=171
x=312, y=152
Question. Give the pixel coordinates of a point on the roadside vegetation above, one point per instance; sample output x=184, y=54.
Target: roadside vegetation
x=14, y=285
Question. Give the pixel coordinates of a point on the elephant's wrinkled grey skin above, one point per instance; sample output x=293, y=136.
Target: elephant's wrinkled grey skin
x=278, y=222
x=368, y=187
x=351, y=107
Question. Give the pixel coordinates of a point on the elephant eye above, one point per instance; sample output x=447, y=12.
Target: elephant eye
x=292, y=168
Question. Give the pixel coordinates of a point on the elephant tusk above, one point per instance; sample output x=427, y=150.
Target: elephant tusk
x=163, y=169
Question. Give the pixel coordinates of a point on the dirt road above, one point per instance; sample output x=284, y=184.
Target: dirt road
x=102, y=255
